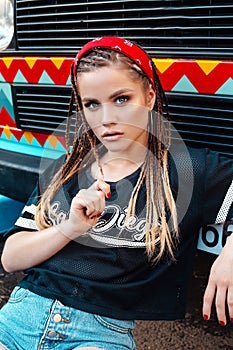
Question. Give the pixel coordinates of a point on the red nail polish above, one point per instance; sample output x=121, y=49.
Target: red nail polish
x=231, y=319
x=222, y=323
x=109, y=195
x=205, y=317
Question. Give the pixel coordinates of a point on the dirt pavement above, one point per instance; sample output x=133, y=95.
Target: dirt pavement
x=191, y=333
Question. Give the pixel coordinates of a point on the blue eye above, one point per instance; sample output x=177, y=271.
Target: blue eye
x=91, y=105
x=121, y=99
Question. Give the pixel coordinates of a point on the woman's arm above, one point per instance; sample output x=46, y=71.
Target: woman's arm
x=220, y=285
x=25, y=249
x=217, y=208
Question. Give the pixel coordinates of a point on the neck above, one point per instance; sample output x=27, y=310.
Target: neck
x=117, y=167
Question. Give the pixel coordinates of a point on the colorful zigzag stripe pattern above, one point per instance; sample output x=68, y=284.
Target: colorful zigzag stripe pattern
x=196, y=76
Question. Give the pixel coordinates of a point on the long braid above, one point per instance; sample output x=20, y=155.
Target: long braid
x=158, y=179
x=159, y=236
x=80, y=148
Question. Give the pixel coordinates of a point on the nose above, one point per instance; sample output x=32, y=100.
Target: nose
x=109, y=115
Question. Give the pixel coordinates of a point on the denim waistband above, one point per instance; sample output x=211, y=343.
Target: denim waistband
x=29, y=321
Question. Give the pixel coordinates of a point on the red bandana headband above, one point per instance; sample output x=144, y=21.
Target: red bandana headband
x=126, y=47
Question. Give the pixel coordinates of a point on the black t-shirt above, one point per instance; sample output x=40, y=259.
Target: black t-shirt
x=106, y=271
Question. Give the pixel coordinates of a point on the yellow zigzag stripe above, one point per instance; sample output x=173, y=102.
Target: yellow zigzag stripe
x=31, y=61
x=207, y=66
x=7, y=61
x=163, y=64
x=57, y=61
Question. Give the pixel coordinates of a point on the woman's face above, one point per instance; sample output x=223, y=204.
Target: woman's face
x=116, y=108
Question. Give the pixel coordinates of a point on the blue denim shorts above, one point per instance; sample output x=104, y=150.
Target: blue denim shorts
x=31, y=322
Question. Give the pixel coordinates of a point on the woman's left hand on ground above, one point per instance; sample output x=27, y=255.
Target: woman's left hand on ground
x=220, y=286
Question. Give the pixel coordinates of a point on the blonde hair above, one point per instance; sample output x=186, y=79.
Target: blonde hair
x=161, y=237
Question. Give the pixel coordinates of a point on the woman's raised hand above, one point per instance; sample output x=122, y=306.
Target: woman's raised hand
x=86, y=208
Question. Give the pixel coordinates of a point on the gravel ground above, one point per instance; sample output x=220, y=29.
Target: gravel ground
x=190, y=333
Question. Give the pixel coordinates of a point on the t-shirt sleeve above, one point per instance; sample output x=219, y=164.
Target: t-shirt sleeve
x=26, y=221
x=218, y=199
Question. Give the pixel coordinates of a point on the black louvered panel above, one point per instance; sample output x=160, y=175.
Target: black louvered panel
x=165, y=28
x=41, y=109
x=203, y=120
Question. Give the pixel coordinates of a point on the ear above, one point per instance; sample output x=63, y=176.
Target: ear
x=151, y=97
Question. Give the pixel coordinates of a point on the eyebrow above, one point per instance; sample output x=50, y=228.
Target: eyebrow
x=116, y=93
x=120, y=92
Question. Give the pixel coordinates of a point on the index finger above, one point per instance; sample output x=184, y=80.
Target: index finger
x=101, y=185
x=208, y=300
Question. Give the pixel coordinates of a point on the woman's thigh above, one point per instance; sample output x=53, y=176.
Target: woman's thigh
x=21, y=319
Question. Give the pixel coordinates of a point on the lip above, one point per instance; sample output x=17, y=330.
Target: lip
x=112, y=135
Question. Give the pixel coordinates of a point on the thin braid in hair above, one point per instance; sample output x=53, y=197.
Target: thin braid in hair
x=80, y=148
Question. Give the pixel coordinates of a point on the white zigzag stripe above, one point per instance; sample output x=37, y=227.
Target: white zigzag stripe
x=26, y=223
x=222, y=214
x=31, y=209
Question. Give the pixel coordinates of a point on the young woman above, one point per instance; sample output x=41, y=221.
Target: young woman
x=110, y=232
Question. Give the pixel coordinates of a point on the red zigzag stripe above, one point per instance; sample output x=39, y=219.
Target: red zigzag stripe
x=32, y=75
x=6, y=119
x=203, y=83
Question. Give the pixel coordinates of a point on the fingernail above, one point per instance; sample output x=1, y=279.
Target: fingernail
x=206, y=317
x=222, y=323
x=231, y=319
x=109, y=195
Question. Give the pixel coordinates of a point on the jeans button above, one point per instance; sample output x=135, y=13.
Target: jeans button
x=57, y=318
x=52, y=334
